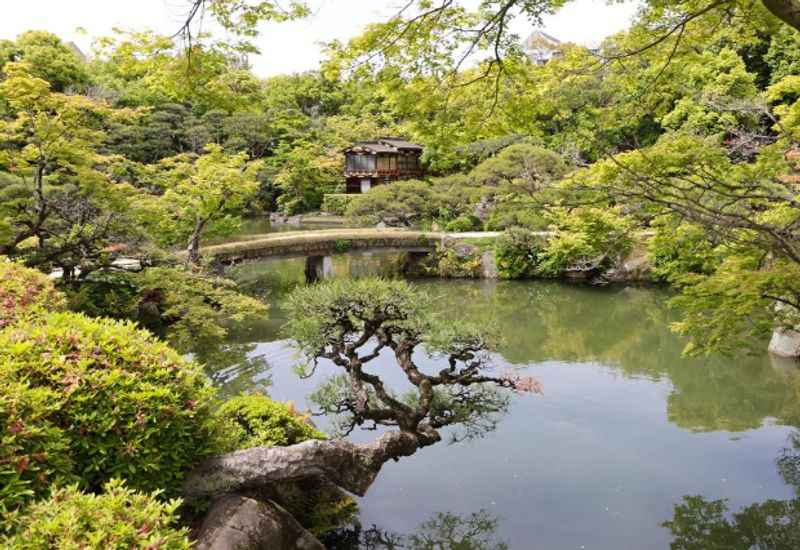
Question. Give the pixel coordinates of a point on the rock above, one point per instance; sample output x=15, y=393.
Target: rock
x=380, y=225
x=241, y=523
x=785, y=343
x=636, y=266
x=488, y=265
x=483, y=209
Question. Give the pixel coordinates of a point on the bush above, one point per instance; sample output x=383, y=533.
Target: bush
x=401, y=203
x=336, y=203
x=128, y=405
x=517, y=253
x=120, y=518
x=255, y=420
x=458, y=261
x=25, y=292
x=34, y=451
x=587, y=239
x=465, y=222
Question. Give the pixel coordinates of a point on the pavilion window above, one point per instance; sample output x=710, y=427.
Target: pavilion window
x=361, y=163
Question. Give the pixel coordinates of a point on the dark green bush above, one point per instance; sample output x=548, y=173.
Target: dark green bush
x=25, y=292
x=128, y=405
x=118, y=519
x=255, y=420
x=517, y=253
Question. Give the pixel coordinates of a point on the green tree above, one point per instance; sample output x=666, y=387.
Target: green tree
x=202, y=194
x=60, y=208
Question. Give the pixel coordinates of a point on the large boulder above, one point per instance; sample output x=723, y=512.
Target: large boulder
x=241, y=523
x=785, y=343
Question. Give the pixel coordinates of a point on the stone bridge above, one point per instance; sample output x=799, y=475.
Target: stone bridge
x=317, y=246
x=326, y=242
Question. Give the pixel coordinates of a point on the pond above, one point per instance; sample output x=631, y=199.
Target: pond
x=626, y=430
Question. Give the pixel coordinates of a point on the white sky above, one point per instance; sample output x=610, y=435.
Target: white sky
x=287, y=47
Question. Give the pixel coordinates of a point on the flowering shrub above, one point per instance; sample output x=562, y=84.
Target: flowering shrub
x=118, y=519
x=126, y=404
x=33, y=453
x=25, y=291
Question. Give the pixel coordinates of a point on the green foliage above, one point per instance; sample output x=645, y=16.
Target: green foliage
x=128, y=405
x=735, y=308
x=189, y=306
x=118, y=519
x=517, y=252
x=60, y=208
x=33, y=450
x=680, y=248
x=403, y=203
x=202, y=195
x=25, y=292
x=315, y=312
x=586, y=238
x=255, y=420
x=49, y=59
x=464, y=222
x=336, y=203
x=458, y=261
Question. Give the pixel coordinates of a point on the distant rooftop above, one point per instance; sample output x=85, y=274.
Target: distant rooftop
x=385, y=145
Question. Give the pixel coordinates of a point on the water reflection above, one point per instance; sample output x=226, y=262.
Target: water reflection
x=628, y=329
x=702, y=524
x=443, y=531
x=625, y=429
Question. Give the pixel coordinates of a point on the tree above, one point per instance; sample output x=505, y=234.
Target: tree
x=350, y=323
x=48, y=59
x=59, y=207
x=202, y=194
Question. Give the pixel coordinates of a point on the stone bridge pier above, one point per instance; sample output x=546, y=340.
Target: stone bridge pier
x=318, y=268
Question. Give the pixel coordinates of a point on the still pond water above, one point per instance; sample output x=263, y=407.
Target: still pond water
x=625, y=430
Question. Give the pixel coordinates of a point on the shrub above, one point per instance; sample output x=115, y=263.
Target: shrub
x=120, y=518
x=465, y=222
x=129, y=405
x=336, y=203
x=25, y=292
x=587, y=238
x=402, y=203
x=255, y=420
x=34, y=451
x=517, y=253
x=458, y=261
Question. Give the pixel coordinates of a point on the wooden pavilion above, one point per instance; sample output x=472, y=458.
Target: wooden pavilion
x=387, y=159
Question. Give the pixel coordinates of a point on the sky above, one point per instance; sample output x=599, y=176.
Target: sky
x=287, y=47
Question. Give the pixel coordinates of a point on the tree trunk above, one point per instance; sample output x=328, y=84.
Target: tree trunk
x=193, y=248
x=345, y=464
x=787, y=11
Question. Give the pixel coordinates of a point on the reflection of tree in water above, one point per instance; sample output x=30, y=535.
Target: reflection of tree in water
x=700, y=524
x=444, y=531
x=628, y=329
x=232, y=367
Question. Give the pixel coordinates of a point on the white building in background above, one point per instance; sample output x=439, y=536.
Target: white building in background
x=540, y=47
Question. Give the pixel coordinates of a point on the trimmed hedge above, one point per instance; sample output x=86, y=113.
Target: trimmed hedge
x=25, y=292
x=123, y=403
x=336, y=203
x=118, y=519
